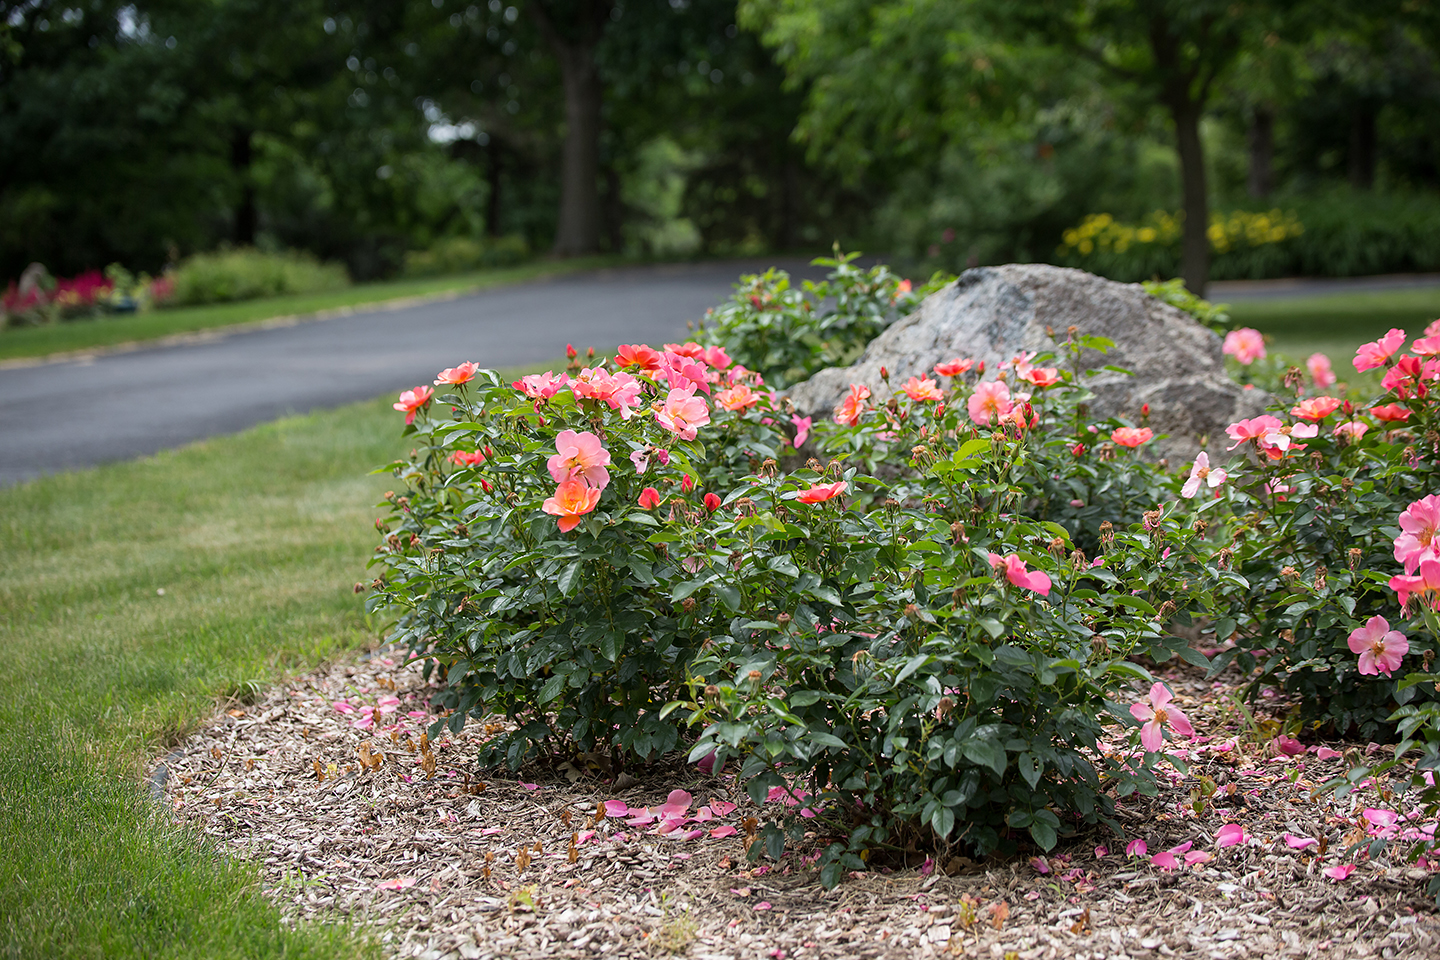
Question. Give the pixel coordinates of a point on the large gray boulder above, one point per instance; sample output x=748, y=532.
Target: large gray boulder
x=992, y=313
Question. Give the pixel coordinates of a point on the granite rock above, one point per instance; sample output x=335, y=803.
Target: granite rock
x=992, y=313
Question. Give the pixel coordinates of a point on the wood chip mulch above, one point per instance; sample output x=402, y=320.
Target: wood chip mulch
x=325, y=784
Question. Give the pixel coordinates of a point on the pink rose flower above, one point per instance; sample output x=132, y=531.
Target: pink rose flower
x=580, y=455
x=1246, y=345
x=1320, y=371
x=572, y=500
x=411, y=401
x=822, y=492
x=1202, y=473
x=1380, y=648
x=1315, y=409
x=683, y=412
x=1155, y=714
x=991, y=400
x=1132, y=436
x=954, y=368
x=802, y=430
x=922, y=391
x=1418, y=525
x=848, y=410
x=1021, y=576
x=541, y=386
x=620, y=390
x=464, y=373
x=1377, y=352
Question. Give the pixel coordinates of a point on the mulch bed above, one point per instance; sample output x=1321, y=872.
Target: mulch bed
x=441, y=861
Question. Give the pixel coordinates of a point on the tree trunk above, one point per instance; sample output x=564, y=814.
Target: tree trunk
x=492, y=202
x=247, y=217
x=1362, y=146
x=1195, y=241
x=1262, y=152
x=574, y=43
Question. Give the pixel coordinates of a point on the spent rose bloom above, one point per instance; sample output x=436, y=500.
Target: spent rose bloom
x=647, y=359
x=580, y=455
x=1021, y=576
x=1315, y=409
x=922, y=391
x=1202, y=473
x=541, y=386
x=411, y=401
x=739, y=397
x=848, y=410
x=954, y=368
x=464, y=373
x=1320, y=371
x=1132, y=436
x=1155, y=714
x=1246, y=345
x=1424, y=586
x=1419, y=524
x=572, y=500
x=682, y=412
x=1380, y=648
x=1377, y=352
x=991, y=400
x=822, y=492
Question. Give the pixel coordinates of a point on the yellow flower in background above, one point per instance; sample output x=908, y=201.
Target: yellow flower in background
x=1101, y=232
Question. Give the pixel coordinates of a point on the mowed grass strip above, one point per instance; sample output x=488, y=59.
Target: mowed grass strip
x=25, y=342
x=256, y=540
x=1335, y=324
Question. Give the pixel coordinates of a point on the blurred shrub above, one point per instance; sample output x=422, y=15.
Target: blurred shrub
x=462, y=254
x=1341, y=233
x=1216, y=316
x=246, y=273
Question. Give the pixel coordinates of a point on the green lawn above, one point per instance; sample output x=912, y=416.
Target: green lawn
x=18, y=342
x=1338, y=323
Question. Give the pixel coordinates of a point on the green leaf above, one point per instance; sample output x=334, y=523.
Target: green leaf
x=568, y=577
x=991, y=626
x=552, y=688
x=729, y=595
x=611, y=644
x=826, y=739
x=683, y=590
x=987, y=753
x=1030, y=769
x=1044, y=835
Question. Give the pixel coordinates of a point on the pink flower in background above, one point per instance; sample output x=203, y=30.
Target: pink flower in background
x=802, y=430
x=1380, y=648
x=1426, y=347
x=1315, y=409
x=580, y=455
x=922, y=391
x=1230, y=835
x=991, y=399
x=1377, y=352
x=683, y=412
x=1423, y=586
x=572, y=500
x=954, y=368
x=1246, y=345
x=1021, y=576
x=1351, y=430
x=1419, y=524
x=848, y=410
x=1202, y=473
x=716, y=357
x=457, y=375
x=541, y=386
x=1155, y=713
x=1433, y=329
x=822, y=492
x=1132, y=436
x=1320, y=371
x=411, y=401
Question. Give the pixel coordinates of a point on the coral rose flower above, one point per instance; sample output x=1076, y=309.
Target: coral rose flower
x=1377, y=352
x=649, y=498
x=457, y=375
x=1021, y=576
x=572, y=500
x=541, y=386
x=1315, y=409
x=822, y=492
x=739, y=397
x=648, y=359
x=1320, y=371
x=991, y=400
x=620, y=390
x=1246, y=345
x=716, y=357
x=1132, y=436
x=691, y=350
x=848, y=411
x=580, y=455
x=411, y=401
x=1155, y=714
x=1380, y=648
x=1391, y=413
x=1042, y=376
x=682, y=412
x=1418, y=526
x=922, y=391
x=681, y=371
x=954, y=368
x=1201, y=472
x=465, y=458
x=1424, y=586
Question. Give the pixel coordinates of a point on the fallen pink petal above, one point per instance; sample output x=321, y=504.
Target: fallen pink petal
x=1300, y=843
x=1339, y=871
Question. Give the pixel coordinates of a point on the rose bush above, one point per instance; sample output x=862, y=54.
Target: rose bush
x=917, y=656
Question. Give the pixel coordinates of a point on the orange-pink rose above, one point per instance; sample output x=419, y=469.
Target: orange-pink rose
x=572, y=500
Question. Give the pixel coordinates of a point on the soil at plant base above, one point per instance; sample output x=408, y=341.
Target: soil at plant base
x=328, y=784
